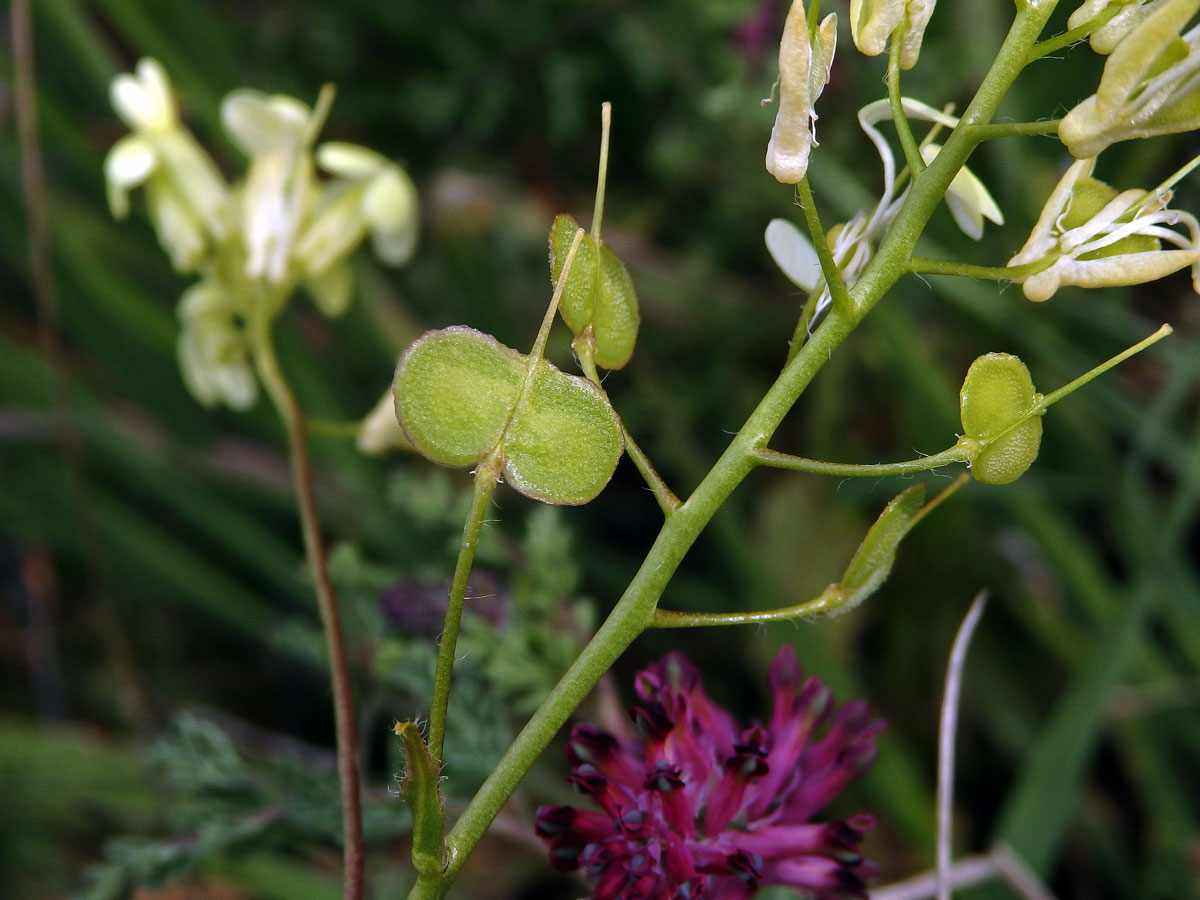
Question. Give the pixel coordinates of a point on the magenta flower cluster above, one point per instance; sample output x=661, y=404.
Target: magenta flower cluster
x=698, y=807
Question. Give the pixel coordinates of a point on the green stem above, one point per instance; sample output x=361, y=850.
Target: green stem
x=289, y=410
x=1015, y=129
x=666, y=498
x=602, y=176
x=912, y=153
x=941, y=498
x=635, y=609
x=1050, y=45
x=923, y=266
x=826, y=602
x=1069, y=387
x=487, y=476
x=776, y=460
x=816, y=233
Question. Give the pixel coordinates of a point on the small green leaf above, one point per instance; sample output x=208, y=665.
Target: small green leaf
x=598, y=297
x=564, y=440
x=455, y=391
x=419, y=788
x=997, y=404
x=873, y=560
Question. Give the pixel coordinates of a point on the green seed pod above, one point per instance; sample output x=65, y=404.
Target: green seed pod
x=578, y=301
x=598, y=296
x=455, y=390
x=564, y=440
x=461, y=396
x=996, y=403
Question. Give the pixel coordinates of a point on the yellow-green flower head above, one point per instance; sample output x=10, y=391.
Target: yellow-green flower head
x=873, y=21
x=1150, y=85
x=213, y=354
x=804, y=63
x=1092, y=236
x=188, y=200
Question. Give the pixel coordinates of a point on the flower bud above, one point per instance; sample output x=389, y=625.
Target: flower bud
x=804, y=64
x=873, y=21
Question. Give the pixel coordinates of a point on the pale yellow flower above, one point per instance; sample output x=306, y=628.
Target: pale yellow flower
x=1095, y=237
x=1150, y=84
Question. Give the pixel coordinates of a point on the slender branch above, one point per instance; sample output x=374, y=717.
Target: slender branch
x=1051, y=45
x=816, y=233
x=1014, y=129
x=941, y=498
x=602, y=176
x=1073, y=385
x=289, y=410
x=666, y=498
x=920, y=265
x=487, y=476
x=946, y=732
x=1001, y=863
x=777, y=460
x=826, y=602
x=912, y=153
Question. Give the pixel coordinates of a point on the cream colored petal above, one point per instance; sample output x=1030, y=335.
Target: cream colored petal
x=793, y=254
x=332, y=289
x=380, y=430
x=260, y=124
x=919, y=12
x=180, y=234
x=1044, y=236
x=872, y=23
x=349, y=160
x=968, y=200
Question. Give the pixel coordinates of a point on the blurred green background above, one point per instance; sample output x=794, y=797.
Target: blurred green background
x=164, y=716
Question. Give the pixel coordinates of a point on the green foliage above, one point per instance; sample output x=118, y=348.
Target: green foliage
x=226, y=806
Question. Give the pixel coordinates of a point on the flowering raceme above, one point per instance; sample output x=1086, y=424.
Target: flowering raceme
x=698, y=807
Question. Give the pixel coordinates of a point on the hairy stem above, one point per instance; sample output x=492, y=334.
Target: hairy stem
x=908, y=144
x=487, y=476
x=924, y=266
x=777, y=460
x=314, y=547
x=1015, y=129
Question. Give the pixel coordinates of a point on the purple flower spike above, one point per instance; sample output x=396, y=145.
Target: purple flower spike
x=698, y=808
